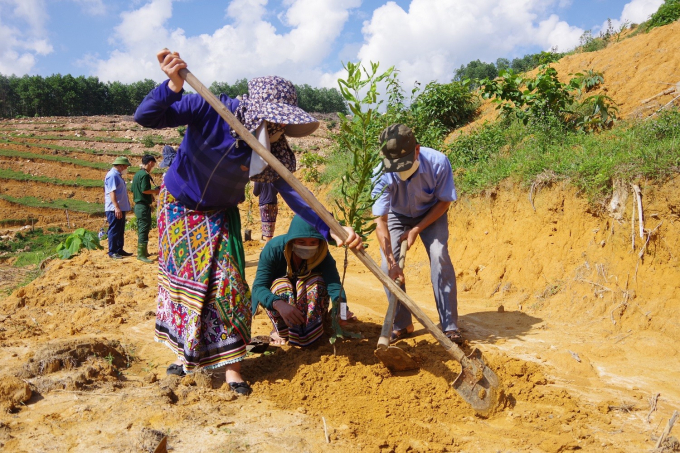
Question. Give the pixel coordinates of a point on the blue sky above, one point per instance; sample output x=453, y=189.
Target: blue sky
x=304, y=40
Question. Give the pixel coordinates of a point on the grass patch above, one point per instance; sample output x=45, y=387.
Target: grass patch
x=17, y=222
x=70, y=204
x=31, y=247
x=75, y=138
x=20, y=176
x=487, y=155
x=64, y=159
x=67, y=160
x=646, y=149
x=156, y=139
x=71, y=149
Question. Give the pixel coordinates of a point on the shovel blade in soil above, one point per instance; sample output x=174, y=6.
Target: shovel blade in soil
x=477, y=383
x=395, y=359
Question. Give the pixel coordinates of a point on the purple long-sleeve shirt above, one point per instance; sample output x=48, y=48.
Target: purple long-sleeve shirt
x=210, y=170
x=266, y=192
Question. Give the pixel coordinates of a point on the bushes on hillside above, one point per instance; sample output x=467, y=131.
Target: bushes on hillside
x=544, y=99
x=667, y=13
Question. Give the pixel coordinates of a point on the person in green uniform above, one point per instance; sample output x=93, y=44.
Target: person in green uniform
x=143, y=197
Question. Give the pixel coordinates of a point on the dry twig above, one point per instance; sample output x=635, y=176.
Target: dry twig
x=652, y=405
x=325, y=430
x=668, y=429
x=638, y=195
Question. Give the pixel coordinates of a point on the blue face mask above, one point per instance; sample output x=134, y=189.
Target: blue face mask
x=305, y=252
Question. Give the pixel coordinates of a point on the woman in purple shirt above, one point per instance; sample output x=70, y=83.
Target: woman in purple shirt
x=204, y=306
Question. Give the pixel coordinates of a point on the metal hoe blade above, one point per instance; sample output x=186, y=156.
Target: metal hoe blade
x=477, y=383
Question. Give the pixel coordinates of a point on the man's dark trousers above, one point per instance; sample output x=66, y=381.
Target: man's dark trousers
x=116, y=232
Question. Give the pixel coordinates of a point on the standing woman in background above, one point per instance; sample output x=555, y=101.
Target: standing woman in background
x=204, y=307
x=269, y=208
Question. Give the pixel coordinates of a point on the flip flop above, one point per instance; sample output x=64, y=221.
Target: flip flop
x=175, y=369
x=400, y=334
x=242, y=388
x=258, y=344
x=276, y=341
x=455, y=336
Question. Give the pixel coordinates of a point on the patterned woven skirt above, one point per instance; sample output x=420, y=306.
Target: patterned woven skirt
x=203, y=311
x=268, y=213
x=308, y=295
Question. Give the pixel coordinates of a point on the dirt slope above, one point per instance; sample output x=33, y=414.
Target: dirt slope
x=635, y=69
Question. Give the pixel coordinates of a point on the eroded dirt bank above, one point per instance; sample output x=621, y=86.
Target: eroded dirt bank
x=587, y=333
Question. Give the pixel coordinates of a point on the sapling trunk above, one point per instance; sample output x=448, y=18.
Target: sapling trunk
x=358, y=136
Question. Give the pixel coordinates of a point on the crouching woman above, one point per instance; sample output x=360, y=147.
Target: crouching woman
x=295, y=281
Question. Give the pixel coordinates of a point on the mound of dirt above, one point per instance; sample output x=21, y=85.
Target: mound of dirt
x=13, y=391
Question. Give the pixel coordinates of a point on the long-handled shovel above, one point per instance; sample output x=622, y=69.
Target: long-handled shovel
x=477, y=384
x=394, y=358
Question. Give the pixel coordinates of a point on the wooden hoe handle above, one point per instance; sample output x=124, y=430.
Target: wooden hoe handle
x=321, y=211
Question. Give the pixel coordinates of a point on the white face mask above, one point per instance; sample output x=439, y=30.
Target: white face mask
x=404, y=175
x=305, y=251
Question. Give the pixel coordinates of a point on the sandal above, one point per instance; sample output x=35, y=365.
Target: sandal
x=277, y=340
x=258, y=344
x=242, y=388
x=401, y=334
x=455, y=336
x=351, y=317
x=177, y=370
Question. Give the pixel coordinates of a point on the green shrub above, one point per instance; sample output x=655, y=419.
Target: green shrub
x=75, y=241
x=309, y=164
x=546, y=102
x=444, y=106
x=181, y=130
x=148, y=141
x=477, y=146
x=667, y=13
x=131, y=223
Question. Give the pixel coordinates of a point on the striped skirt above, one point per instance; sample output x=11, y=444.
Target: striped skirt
x=268, y=213
x=308, y=295
x=203, y=313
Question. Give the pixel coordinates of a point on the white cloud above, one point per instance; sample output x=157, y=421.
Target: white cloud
x=635, y=12
x=92, y=7
x=31, y=11
x=19, y=44
x=247, y=46
x=434, y=37
x=639, y=11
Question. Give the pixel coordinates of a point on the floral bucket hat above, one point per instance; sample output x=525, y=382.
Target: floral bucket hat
x=274, y=99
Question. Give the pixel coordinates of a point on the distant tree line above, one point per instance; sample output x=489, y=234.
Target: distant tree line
x=66, y=95
x=310, y=99
x=478, y=70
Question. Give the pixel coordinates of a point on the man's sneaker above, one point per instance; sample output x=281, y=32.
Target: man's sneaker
x=115, y=256
x=124, y=253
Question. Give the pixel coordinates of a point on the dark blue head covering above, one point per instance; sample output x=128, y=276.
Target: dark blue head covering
x=169, y=154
